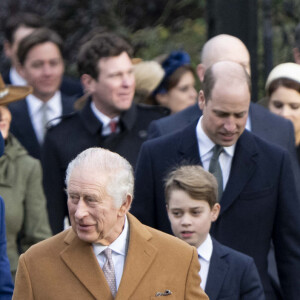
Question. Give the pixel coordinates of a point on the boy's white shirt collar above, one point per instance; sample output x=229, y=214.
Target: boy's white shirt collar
x=205, y=249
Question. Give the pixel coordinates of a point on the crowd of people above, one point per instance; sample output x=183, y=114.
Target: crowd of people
x=98, y=174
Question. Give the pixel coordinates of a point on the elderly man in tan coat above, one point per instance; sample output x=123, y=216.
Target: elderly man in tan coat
x=107, y=254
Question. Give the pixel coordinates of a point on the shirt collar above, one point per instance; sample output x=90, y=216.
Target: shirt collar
x=205, y=249
x=206, y=144
x=16, y=78
x=119, y=245
x=102, y=117
x=35, y=103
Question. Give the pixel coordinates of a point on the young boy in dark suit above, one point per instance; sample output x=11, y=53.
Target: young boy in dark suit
x=191, y=200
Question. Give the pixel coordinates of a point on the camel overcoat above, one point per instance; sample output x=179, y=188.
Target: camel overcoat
x=64, y=267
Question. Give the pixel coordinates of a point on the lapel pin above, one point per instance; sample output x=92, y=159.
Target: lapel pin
x=165, y=293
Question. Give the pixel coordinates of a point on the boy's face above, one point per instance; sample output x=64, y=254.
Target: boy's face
x=190, y=219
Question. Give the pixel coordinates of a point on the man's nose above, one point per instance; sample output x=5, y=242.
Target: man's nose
x=47, y=70
x=128, y=80
x=230, y=124
x=81, y=209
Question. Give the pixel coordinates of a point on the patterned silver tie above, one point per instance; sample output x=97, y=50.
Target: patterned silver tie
x=109, y=271
x=44, y=113
x=215, y=168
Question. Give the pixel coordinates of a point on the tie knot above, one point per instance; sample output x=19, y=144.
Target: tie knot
x=107, y=252
x=113, y=126
x=217, y=150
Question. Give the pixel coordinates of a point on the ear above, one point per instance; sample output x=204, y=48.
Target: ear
x=215, y=212
x=201, y=71
x=88, y=83
x=125, y=206
x=296, y=54
x=167, y=207
x=201, y=100
x=20, y=70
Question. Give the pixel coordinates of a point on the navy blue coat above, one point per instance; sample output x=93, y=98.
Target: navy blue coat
x=265, y=124
x=6, y=284
x=21, y=126
x=260, y=202
x=232, y=275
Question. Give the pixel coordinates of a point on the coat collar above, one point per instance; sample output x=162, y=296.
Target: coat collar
x=243, y=164
x=188, y=145
x=80, y=259
x=217, y=270
x=94, y=126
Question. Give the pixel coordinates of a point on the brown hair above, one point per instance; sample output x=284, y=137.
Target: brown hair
x=175, y=77
x=195, y=181
x=285, y=82
x=37, y=37
x=99, y=46
x=21, y=19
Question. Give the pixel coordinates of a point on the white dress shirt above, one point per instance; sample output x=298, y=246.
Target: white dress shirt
x=54, y=110
x=16, y=78
x=119, y=252
x=105, y=120
x=204, y=255
x=206, y=145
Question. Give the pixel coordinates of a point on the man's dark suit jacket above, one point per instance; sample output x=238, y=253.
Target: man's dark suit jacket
x=69, y=86
x=232, y=275
x=80, y=131
x=265, y=124
x=21, y=126
x=259, y=203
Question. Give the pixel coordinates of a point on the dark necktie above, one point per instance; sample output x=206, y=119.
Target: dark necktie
x=113, y=126
x=215, y=168
x=109, y=271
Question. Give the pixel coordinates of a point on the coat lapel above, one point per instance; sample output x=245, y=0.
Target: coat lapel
x=243, y=166
x=139, y=259
x=80, y=259
x=22, y=120
x=188, y=145
x=67, y=104
x=217, y=271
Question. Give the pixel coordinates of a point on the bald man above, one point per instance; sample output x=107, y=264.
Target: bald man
x=259, y=201
x=264, y=124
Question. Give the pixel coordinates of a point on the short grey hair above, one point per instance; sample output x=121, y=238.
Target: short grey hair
x=118, y=170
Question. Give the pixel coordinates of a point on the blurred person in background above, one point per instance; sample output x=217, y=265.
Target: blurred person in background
x=283, y=95
x=148, y=75
x=176, y=90
x=20, y=185
x=42, y=65
x=17, y=27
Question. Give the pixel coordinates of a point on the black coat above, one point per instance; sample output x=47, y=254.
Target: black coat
x=81, y=131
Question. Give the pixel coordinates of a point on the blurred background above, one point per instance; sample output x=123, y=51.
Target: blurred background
x=155, y=27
